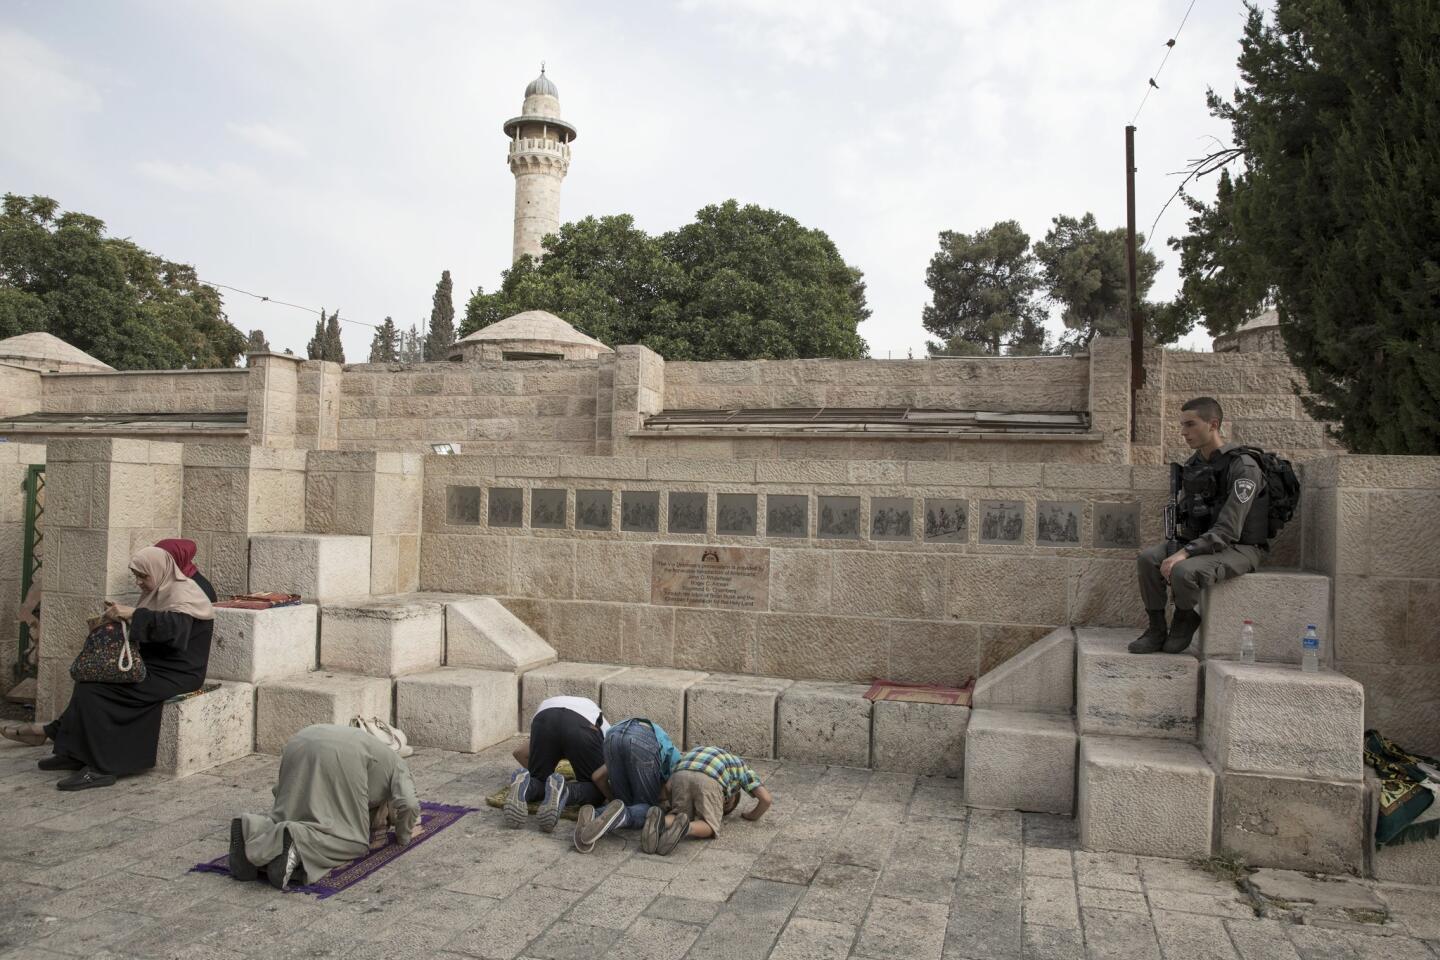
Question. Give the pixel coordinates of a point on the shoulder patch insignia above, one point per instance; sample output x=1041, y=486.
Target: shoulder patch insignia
x=1244, y=490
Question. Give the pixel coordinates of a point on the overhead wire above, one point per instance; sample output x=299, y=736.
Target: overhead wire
x=1169, y=48
x=285, y=303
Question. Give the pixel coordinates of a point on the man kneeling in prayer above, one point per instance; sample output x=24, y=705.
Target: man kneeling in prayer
x=704, y=789
x=336, y=783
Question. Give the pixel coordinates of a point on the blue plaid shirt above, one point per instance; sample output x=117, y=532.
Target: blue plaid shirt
x=733, y=773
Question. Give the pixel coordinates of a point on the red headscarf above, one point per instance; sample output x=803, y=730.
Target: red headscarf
x=184, y=553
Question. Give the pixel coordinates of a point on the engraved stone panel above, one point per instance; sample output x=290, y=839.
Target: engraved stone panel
x=1117, y=524
x=462, y=505
x=839, y=518
x=787, y=515
x=891, y=518
x=592, y=509
x=687, y=512
x=725, y=578
x=1058, y=524
x=947, y=521
x=640, y=510
x=507, y=507
x=1002, y=521
x=735, y=514
x=547, y=509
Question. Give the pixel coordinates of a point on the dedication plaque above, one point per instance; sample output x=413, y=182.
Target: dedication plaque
x=724, y=578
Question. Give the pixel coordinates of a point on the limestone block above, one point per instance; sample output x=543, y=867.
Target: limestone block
x=319, y=567
x=566, y=679
x=457, y=708
x=1133, y=695
x=1293, y=823
x=1018, y=760
x=650, y=692
x=735, y=712
x=255, y=645
x=1417, y=863
x=825, y=723
x=1281, y=604
x=382, y=636
x=204, y=731
x=921, y=738
x=1275, y=719
x=285, y=707
x=481, y=633
x=1155, y=798
x=1041, y=677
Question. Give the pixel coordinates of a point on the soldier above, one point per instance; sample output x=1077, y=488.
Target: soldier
x=1223, y=530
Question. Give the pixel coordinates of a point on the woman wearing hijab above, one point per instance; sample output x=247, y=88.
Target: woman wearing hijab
x=184, y=553
x=112, y=729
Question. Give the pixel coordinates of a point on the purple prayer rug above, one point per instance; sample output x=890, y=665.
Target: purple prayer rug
x=434, y=817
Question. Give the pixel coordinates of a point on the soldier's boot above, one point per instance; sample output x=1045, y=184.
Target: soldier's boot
x=1154, y=636
x=1182, y=631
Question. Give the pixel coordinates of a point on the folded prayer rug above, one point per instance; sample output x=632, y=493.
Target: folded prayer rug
x=1409, y=787
x=922, y=692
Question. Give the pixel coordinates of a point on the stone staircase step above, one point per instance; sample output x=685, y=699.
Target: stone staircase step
x=382, y=636
x=1040, y=678
x=1134, y=695
x=926, y=739
x=563, y=679
x=319, y=567
x=1294, y=823
x=457, y=708
x=734, y=712
x=824, y=723
x=1150, y=797
x=1020, y=760
x=256, y=645
x=481, y=633
x=654, y=693
x=286, y=706
x=204, y=731
x=1280, y=602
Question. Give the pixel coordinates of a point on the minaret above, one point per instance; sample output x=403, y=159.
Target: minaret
x=539, y=158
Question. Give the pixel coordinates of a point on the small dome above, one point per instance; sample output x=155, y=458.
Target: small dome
x=45, y=351
x=535, y=325
x=542, y=85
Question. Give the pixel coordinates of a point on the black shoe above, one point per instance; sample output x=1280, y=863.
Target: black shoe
x=282, y=868
x=59, y=761
x=240, y=866
x=1154, y=636
x=1182, y=631
x=86, y=779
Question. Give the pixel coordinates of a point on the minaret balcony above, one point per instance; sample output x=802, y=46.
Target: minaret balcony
x=542, y=146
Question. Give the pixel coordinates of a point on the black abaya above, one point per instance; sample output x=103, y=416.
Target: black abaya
x=115, y=727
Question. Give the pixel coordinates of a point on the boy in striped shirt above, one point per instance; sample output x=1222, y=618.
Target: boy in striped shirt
x=704, y=787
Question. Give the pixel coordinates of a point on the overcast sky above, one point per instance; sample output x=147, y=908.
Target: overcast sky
x=341, y=154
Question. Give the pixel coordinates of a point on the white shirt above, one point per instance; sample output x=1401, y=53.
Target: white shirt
x=587, y=708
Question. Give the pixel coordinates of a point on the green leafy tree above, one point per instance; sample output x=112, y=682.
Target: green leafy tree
x=256, y=342
x=442, y=320
x=385, y=345
x=1333, y=216
x=118, y=302
x=1084, y=270
x=982, y=292
x=740, y=282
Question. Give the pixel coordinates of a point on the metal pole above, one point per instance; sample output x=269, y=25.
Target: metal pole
x=1132, y=300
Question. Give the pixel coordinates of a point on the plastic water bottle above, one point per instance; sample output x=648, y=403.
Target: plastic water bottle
x=1310, y=650
x=1247, y=641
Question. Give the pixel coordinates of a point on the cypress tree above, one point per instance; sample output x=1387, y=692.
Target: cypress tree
x=442, y=320
x=256, y=342
x=385, y=345
x=317, y=347
x=335, y=350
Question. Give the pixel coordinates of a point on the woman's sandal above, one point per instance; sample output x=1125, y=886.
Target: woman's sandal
x=15, y=731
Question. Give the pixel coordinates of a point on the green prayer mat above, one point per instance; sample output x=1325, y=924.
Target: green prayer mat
x=497, y=799
x=1407, y=791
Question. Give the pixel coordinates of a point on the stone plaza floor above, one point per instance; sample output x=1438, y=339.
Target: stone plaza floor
x=849, y=863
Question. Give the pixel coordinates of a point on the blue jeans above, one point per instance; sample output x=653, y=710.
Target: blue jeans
x=632, y=761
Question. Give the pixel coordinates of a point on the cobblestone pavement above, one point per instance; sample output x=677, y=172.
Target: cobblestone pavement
x=849, y=863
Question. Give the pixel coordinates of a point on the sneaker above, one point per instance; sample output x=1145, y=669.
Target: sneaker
x=650, y=833
x=282, y=868
x=516, y=809
x=671, y=836
x=583, y=822
x=554, y=802
x=240, y=866
x=600, y=824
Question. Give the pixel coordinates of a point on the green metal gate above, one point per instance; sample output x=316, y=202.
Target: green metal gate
x=27, y=664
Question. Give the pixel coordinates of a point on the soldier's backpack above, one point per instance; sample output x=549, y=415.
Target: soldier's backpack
x=1282, y=486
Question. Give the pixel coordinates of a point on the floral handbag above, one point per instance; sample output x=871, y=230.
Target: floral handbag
x=108, y=656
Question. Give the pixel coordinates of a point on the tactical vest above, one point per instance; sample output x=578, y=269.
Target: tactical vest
x=1205, y=486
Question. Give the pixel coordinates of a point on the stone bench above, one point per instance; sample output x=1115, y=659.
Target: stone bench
x=1119, y=693
x=319, y=567
x=256, y=645
x=1039, y=678
x=457, y=708
x=734, y=712
x=206, y=730
x=1280, y=602
x=566, y=679
x=481, y=633
x=926, y=739
x=650, y=692
x=1020, y=760
x=286, y=706
x=1155, y=798
x=824, y=723
x=383, y=636
x=1293, y=823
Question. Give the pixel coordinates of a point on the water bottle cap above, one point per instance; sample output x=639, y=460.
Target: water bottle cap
x=1250, y=622
x=1309, y=626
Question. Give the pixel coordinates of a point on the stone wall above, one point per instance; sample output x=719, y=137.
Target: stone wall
x=377, y=495
x=1373, y=523
x=146, y=391
x=522, y=407
x=15, y=460
x=20, y=390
